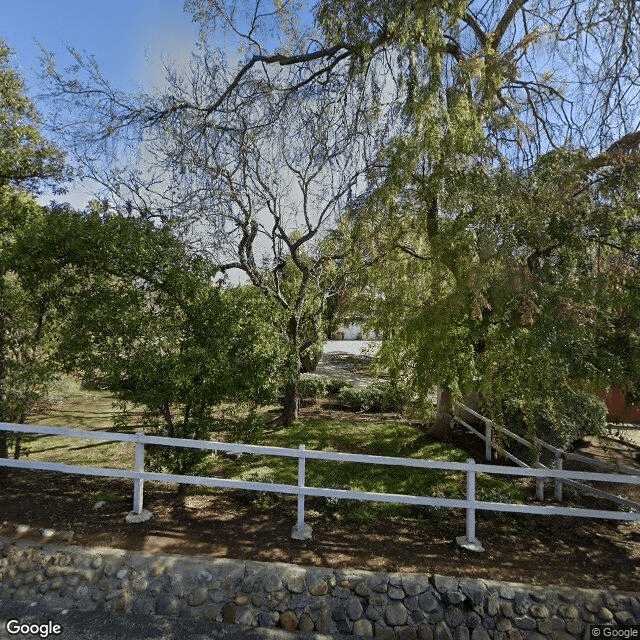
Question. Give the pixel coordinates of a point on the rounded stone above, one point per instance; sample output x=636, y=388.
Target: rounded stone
x=288, y=620
x=442, y=631
x=605, y=614
x=198, y=596
x=245, y=617
x=424, y=632
x=241, y=599
x=493, y=605
x=503, y=624
x=229, y=613
x=380, y=631
x=454, y=617
x=395, y=593
x=271, y=583
x=428, y=602
x=24, y=566
x=317, y=586
x=414, y=585
x=461, y=633
x=525, y=622
x=406, y=633
x=574, y=627
x=396, y=614
x=363, y=628
x=210, y=612
x=539, y=611
x=296, y=584
x=140, y=584
x=305, y=624
x=354, y=608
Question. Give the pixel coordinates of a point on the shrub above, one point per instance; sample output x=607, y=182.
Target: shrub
x=560, y=420
x=351, y=398
x=312, y=385
x=395, y=396
x=335, y=385
x=378, y=396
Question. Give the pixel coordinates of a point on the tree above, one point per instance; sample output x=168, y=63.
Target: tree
x=460, y=90
x=527, y=294
x=255, y=184
x=144, y=319
x=26, y=159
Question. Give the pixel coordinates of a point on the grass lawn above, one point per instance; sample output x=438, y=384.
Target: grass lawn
x=373, y=438
x=93, y=410
x=85, y=410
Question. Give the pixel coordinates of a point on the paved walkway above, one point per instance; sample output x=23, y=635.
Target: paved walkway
x=333, y=362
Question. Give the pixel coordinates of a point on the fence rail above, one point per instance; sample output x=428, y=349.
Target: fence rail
x=301, y=530
x=559, y=456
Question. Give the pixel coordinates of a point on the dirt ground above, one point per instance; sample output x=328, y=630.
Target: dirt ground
x=528, y=549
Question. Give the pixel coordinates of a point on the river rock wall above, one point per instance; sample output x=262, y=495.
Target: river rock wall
x=307, y=599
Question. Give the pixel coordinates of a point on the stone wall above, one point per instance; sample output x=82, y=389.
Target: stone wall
x=334, y=602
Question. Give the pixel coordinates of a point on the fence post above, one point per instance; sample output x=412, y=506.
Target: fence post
x=138, y=483
x=138, y=514
x=488, y=445
x=470, y=541
x=558, y=483
x=539, y=479
x=301, y=531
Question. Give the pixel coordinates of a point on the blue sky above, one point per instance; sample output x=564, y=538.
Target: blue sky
x=127, y=37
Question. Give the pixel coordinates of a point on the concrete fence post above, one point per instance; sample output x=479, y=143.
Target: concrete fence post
x=558, y=482
x=488, y=444
x=301, y=531
x=539, y=479
x=138, y=483
x=470, y=542
x=138, y=514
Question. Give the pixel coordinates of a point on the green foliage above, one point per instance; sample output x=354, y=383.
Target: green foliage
x=25, y=156
x=244, y=424
x=144, y=318
x=376, y=397
x=28, y=324
x=525, y=285
x=563, y=418
x=313, y=385
x=335, y=385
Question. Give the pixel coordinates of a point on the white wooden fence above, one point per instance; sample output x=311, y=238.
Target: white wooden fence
x=301, y=531
x=559, y=455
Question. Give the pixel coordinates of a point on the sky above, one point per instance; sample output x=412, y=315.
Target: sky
x=129, y=39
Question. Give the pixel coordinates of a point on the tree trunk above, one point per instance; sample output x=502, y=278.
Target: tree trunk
x=440, y=427
x=293, y=367
x=291, y=403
